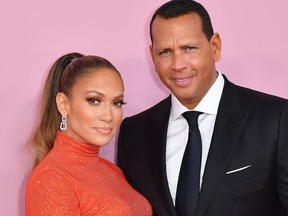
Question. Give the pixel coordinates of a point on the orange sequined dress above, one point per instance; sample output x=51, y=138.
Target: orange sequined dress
x=73, y=180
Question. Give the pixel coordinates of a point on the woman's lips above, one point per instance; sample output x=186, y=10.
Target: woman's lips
x=103, y=130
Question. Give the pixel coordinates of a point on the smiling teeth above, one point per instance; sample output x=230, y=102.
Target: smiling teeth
x=182, y=80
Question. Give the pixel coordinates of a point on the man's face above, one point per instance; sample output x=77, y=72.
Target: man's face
x=184, y=59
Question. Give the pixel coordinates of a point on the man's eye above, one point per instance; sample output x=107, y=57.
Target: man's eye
x=165, y=53
x=190, y=48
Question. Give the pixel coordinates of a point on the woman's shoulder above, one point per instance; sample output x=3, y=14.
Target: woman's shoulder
x=112, y=166
x=46, y=176
x=50, y=190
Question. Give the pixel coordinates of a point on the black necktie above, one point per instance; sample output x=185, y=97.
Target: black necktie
x=189, y=177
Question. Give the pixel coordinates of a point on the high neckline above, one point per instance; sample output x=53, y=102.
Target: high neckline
x=67, y=144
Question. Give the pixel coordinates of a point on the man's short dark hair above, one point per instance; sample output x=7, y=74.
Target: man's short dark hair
x=176, y=8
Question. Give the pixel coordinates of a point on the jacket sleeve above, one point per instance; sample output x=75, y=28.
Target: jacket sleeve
x=121, y=150
x=282, y=158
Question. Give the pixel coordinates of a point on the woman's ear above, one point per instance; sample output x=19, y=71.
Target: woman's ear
x=62, y=103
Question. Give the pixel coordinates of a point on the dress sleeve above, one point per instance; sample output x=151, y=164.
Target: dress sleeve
x=50, y=193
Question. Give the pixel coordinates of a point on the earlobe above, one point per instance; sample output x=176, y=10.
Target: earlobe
x=216, y=46
x=62, y=103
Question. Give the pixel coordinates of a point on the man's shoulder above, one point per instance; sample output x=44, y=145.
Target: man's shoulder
x=256, y=96
x=249, y=95
x=155, y=110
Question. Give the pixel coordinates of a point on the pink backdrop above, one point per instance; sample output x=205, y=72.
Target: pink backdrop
x=34, y=33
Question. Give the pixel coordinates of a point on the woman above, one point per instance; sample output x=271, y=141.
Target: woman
x=83, y=96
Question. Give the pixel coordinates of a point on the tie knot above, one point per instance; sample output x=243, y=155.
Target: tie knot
x=192, y=117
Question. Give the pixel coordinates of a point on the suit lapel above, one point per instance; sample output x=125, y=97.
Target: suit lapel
x=157, y=134
x=228, y=126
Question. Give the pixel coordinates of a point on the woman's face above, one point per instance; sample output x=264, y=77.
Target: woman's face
x=95, y=107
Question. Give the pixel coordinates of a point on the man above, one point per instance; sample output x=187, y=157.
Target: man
x=244, y=133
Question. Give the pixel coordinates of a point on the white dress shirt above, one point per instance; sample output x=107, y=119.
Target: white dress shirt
x=177, y=134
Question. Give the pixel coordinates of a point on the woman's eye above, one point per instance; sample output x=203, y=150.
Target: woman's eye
x=119, y=103
x=93, y=101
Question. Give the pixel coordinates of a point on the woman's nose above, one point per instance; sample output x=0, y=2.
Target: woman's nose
x=106, y=114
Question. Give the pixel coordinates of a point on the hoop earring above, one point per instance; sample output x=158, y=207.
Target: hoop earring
x=63, y=124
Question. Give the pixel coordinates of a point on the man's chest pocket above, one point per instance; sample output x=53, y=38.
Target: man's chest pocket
x=250, y=171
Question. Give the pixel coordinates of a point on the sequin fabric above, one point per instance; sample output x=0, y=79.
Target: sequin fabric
x=73, y=180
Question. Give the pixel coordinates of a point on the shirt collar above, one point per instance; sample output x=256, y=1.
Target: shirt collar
x=209, y=104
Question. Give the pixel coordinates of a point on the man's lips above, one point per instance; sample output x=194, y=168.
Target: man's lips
x=182, y=79
x=182, y=82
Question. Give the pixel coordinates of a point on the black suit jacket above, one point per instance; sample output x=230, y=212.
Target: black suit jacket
x=251, y=132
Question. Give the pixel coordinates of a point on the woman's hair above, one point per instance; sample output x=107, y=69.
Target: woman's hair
x=61, y=78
